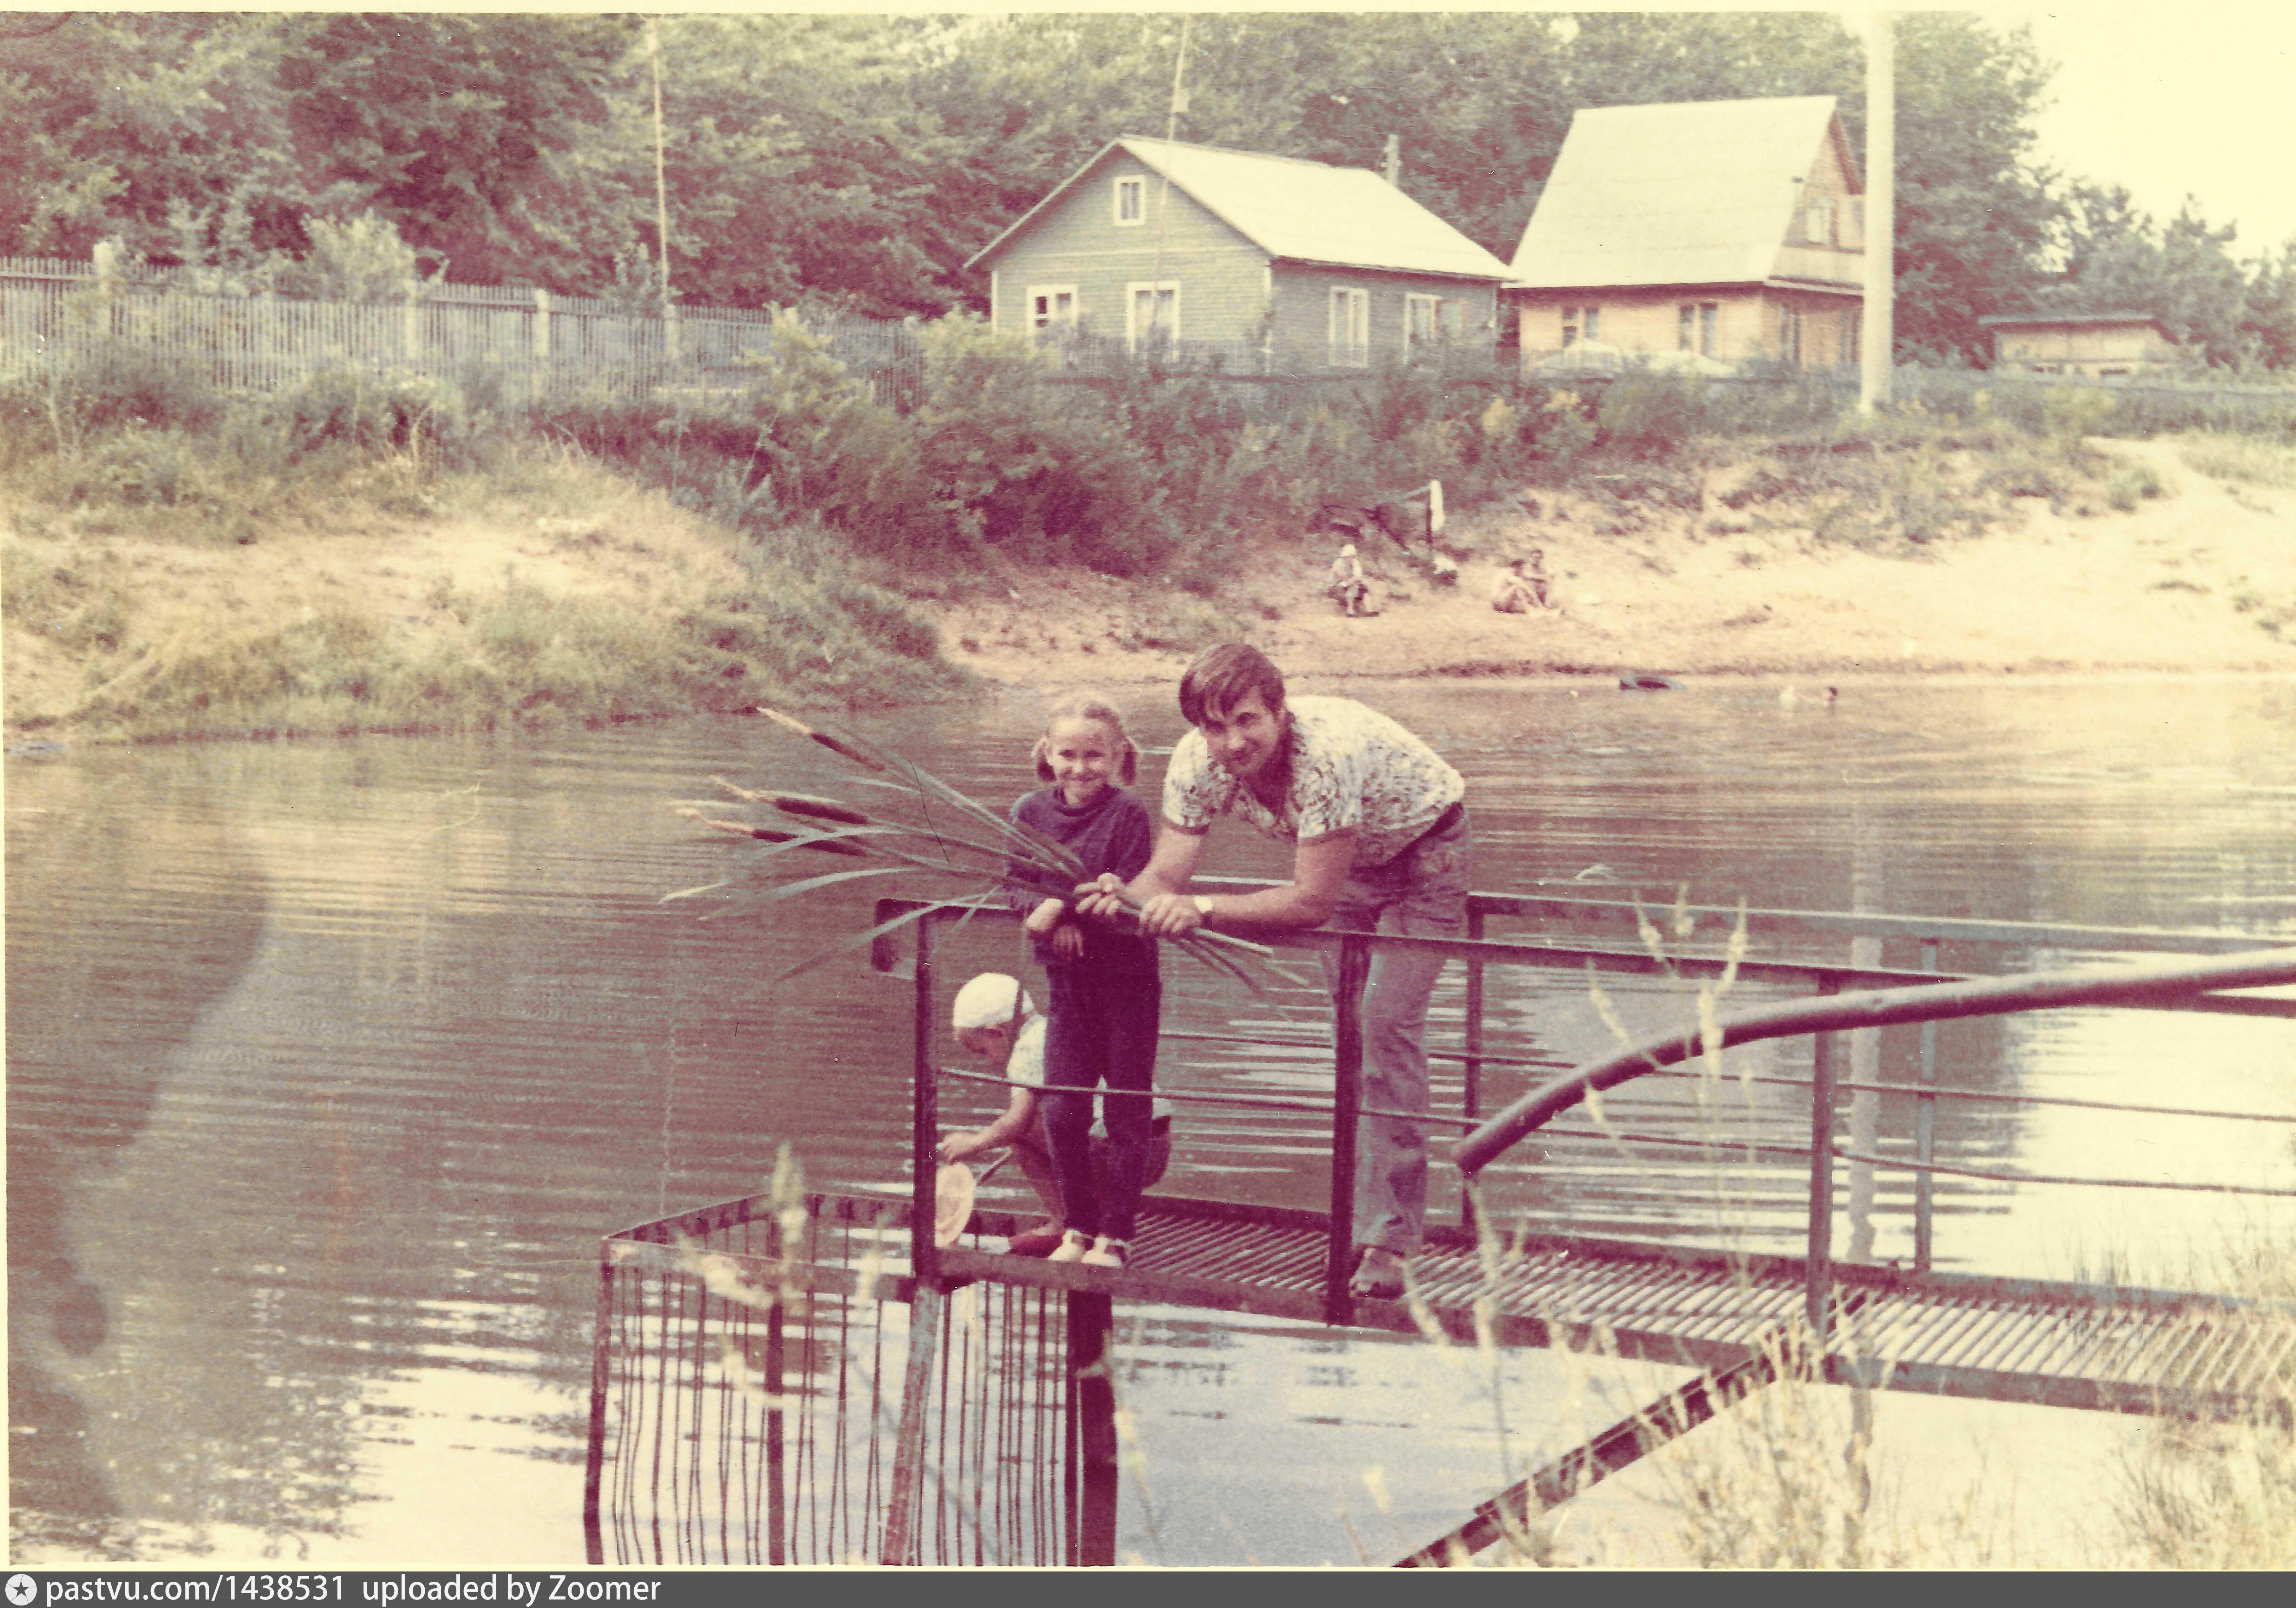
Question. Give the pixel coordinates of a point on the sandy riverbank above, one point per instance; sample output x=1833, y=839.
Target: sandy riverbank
x=2191, y=581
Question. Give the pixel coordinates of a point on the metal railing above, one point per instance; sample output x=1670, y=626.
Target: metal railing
x=1878, y=997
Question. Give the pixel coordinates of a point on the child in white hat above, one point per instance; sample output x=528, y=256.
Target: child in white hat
x=996, y=1022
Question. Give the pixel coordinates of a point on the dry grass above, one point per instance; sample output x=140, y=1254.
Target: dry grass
x=542, y=590
x=2240, y=461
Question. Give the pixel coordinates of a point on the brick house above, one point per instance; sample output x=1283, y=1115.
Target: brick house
x=1268, y=261
x=1695, y=234
x=2098, y=344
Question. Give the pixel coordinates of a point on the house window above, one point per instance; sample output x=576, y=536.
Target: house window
x=1152, y=314
x=1790, y=334
x=1818, y=220
x=1430, y=319
x=1853, y=331
x=1350, y=328
x=1710, y=324
x=1685, y=327
x=1131, y=202
x=1052, y=307
x=1581, y=324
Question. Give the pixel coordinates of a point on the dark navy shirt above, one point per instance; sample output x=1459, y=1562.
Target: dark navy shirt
x=1112, y=832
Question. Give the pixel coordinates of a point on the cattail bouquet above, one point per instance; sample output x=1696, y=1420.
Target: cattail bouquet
x=916, y=827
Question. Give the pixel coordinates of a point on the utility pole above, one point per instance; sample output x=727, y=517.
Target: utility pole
x=1877, y=331
x=661, y=196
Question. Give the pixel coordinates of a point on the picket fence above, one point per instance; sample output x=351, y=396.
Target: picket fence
x=530, y=348
x=533, y=346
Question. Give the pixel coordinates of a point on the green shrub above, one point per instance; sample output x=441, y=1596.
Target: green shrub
x=1034, y=469
x=2074, y=411
x=2131, y=483
x=1650, y=416
x=367, y=412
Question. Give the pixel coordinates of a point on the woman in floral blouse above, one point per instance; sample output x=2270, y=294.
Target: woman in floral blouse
x=1379, y=822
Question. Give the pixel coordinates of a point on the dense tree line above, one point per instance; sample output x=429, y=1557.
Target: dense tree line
x=862, y=159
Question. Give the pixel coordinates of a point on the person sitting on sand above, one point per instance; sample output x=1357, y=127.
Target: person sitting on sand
x=998, y=1025
x=1347, y=588
x=1523, y=588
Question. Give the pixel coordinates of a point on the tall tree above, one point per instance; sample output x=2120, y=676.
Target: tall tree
x=465, y=130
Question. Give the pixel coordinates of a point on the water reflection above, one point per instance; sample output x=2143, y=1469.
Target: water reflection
x=329, y=1063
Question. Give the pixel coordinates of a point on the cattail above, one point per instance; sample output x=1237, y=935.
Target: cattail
x=843, y=750
x=819, y=810
x=769, y=835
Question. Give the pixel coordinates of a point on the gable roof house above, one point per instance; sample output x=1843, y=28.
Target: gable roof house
x=1272, y=262
x=1697, y=232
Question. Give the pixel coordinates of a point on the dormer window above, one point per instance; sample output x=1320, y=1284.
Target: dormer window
x=1131, y=202
x=1818, y=220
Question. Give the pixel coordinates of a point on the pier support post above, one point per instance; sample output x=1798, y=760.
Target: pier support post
x=1471, y=1079
x=1820, y=1261
x=905, y=1494
x=1092, y=1392
x=1926, y=1130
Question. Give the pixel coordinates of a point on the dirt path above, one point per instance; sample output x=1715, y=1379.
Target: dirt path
x=2183, y=583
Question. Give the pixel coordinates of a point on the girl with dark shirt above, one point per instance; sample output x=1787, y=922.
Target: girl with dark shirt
x=1105, y=992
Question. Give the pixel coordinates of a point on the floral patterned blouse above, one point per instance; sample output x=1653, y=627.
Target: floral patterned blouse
x=1351, y=767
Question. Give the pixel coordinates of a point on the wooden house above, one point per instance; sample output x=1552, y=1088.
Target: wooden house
x=1266, y=260
x=2098, y=344
x=1696, y=234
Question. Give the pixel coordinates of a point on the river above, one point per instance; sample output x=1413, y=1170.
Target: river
x=328, y=1062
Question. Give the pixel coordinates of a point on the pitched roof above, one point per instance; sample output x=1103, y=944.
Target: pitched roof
x=2042, y=321
x=1294, y=209
x=1689, y=193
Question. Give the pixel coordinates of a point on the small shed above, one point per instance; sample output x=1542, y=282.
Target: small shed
x=2096, y=344
x=1721, y=229
x=1270, y=261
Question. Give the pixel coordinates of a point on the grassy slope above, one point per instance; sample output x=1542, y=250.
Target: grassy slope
x=545, y=591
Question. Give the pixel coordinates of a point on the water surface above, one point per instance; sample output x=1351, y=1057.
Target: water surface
x=328, y=1063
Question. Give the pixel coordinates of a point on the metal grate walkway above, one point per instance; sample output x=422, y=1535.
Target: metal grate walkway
x=2011, y=1340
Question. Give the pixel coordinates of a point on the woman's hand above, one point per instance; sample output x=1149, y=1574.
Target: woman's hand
x=1046, y=916
x=1068, y=941
x=957, y=1147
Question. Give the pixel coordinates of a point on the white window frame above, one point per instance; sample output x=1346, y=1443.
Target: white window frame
x=1133, y=291
x=1039, y=323
x=1136, y=185
x=1346, y=352
x=1418, y=306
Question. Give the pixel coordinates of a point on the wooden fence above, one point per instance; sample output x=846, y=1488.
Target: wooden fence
x=533, y=346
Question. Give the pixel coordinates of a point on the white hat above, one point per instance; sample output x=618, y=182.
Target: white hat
x=987, y=1002
x=1347, y=549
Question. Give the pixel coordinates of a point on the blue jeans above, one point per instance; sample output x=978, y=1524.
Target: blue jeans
x=1420, y=893
x=1101, y=1027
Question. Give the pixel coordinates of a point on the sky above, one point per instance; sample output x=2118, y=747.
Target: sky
x=2195, y=98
